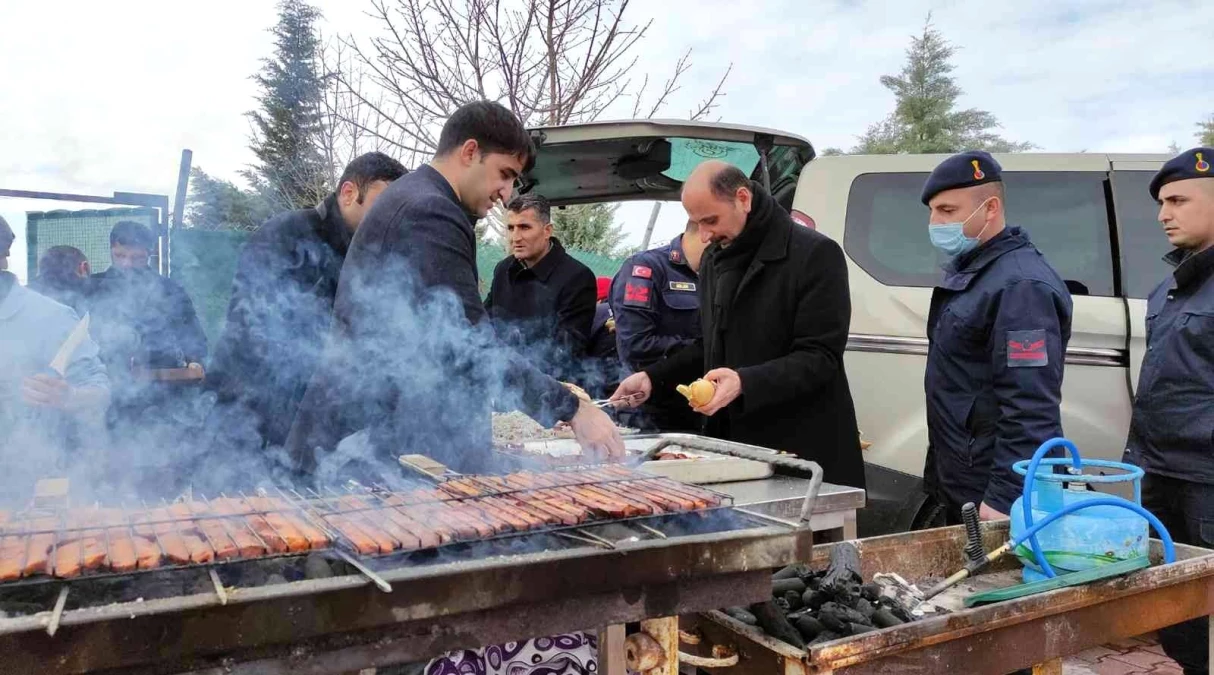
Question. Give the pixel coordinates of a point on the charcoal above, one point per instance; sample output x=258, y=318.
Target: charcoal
x=797, y=614
x=859, y=628
x=871, y=592
x=782, y=604
x=316, y=567
x=844, y=566
x=275, y=579
x=793, y=600
x=779, y=588
x=863, y=606
x=742, y=615
x=836, y=617
x=809, y=627
x=773, y=621
x=884, y=618
x=814, y=582
x=791, y=572
x=897, y=609
x=814, y=599
x=825, y=636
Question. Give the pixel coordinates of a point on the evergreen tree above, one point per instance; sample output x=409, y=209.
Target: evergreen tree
x=925, y=118
x=1205, y=134
x=290, y=167
x=589, y=227
x=216, y=204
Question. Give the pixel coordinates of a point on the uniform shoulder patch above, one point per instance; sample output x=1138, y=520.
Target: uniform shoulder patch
x=682, y=286
x=642, y=272
x=637, y=294
x=1027, y=349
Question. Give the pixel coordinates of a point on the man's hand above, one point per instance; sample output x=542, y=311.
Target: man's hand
x=596, y=433
x=633, y=391
x=46, y=391
x=728, y=388
x=987, y=513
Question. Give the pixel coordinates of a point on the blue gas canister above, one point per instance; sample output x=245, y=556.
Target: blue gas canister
x=1089, y=537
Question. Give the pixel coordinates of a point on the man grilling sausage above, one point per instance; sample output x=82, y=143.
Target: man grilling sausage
x=414, y=363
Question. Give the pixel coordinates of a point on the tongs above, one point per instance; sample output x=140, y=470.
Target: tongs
x=604, y=402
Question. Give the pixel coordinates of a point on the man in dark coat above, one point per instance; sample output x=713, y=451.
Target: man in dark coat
x=414, y=366
x=280, y=308
x=997, y=329
x=1170, y=431
x=774, y=308
x=541, y=300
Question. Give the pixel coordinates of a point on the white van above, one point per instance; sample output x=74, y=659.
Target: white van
x=1090, y=214
x=1092, y=217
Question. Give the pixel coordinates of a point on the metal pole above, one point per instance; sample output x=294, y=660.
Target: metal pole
x=183, y=183
x=653, y=219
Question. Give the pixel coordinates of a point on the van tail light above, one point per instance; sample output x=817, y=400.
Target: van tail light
x=802, y=219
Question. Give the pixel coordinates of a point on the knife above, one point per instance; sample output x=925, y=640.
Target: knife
x=69, y=346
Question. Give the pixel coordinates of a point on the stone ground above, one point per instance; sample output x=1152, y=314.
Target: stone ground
x=1135, y=656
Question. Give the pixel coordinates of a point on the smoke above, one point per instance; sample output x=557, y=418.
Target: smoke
x=294, y=400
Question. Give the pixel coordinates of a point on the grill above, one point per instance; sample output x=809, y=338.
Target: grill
x=341, y=579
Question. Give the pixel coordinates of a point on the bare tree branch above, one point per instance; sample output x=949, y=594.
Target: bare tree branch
x=550, y=61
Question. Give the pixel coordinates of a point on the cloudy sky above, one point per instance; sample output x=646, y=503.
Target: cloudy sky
x=98, y=97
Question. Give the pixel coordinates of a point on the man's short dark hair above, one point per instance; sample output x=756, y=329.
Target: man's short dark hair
x=60, y=262
x=727, y=181
x=532, y=201
x=371, y=168
x=494, y=128
x=133, y=234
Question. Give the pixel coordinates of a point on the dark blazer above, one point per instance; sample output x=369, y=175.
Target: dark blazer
x=278, y=318
x=784, y=332
x=412, y=359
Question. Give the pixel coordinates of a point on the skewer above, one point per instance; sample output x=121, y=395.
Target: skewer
x=219, y=590
x=655, y=532
x=595, y=537
x=57, y=613
x=584, y=540
x=375, y=578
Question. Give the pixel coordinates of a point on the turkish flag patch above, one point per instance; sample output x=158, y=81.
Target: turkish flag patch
x=642, y=272
x=1027, y=349
x=636, y=295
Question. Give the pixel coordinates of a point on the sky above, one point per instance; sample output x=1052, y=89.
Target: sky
x=103, y=97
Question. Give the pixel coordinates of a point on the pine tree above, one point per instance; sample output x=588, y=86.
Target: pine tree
x=217, y=204
x=1205, y=135
x=291, y=169
x=589, y=227
x=925, y=118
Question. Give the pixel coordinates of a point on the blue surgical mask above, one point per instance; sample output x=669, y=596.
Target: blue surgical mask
x=950, y=239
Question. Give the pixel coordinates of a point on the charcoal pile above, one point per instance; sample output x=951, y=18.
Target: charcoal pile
x=810, y=607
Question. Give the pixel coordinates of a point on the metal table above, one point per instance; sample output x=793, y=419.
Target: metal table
x=834, y=515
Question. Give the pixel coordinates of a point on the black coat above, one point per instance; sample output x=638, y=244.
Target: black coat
x=278, y=318
x=413, y=360
x=546, y=312
x=784, y=332
x=143, y=318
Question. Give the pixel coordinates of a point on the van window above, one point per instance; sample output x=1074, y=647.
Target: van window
x=1143, y=243
x=1065, y=214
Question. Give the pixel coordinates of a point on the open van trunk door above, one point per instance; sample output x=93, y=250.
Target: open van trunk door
x=650, y=159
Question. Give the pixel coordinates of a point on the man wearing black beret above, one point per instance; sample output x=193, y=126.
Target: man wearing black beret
x=997, y=330
x=1172, y=428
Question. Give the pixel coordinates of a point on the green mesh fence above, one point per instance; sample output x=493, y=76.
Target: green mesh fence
x=204, y=262
x=87, y=230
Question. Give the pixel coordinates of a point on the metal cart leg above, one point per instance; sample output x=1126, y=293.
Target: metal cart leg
x=611, y=650
x=1053, y=667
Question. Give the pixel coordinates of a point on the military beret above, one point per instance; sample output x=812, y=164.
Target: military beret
x=966, y=169
x=1193, y=163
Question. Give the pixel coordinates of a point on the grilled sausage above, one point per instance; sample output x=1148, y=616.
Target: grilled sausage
x=212, y=530
x=12, y=556
x=277, y=523
x=360, y=540
x=248, y=544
